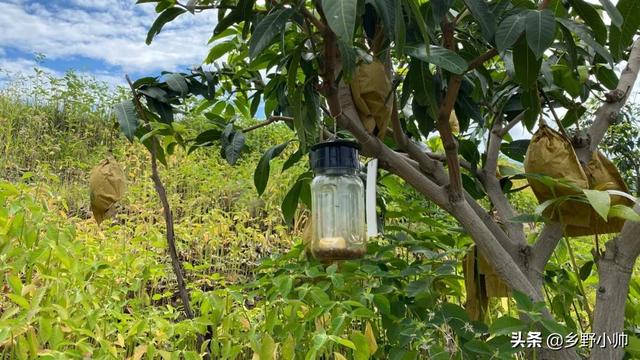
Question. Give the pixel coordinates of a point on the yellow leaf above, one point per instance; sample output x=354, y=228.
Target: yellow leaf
x=29, y=290
x=138, y=352
x=371, y=338
x=339, y=356
x=120, y=340
x=245, y=323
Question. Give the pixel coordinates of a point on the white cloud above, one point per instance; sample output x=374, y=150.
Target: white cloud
x=22, y=71
x=112, y=33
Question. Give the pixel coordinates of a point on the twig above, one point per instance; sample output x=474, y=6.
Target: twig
x=444, y=128
x=269, y=121
x=515, y=121
x=168, y=217
x=555, y=116
x=477, y=62
x=314, y=20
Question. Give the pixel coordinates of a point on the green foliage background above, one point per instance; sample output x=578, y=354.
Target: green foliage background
x=70, y=289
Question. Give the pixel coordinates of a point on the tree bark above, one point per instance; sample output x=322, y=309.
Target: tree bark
x=615, y=268
x=615, y=101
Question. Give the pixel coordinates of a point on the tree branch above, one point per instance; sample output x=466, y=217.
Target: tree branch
x=267, y=122
x=444, y=128
x=515, y=121
x=610, y=110
x=168, y=217
x=429, y=166
x=501, y=260
x=494, y=190
x=477, y=62
x=545, y=245
x=615, y=268
x=314, y=20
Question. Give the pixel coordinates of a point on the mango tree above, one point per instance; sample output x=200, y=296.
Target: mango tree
x=497, y=64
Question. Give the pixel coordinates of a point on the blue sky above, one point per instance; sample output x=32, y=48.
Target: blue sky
x=104, y=38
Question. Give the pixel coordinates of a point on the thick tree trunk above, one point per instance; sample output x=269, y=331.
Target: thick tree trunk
x=610, y=303
x=615, y=268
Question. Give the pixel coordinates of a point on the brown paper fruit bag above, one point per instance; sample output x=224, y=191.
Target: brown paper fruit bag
x=551, y=154
x=107, y=186
x=371, y=89
x=602, y=175
x=481, y=283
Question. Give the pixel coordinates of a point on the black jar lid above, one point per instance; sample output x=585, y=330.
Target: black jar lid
x=338, y=154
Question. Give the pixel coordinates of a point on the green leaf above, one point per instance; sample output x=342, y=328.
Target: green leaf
x=288, y=348
x=341, y=17
x=343, y=342
x=424, y=104
x=469, y=151
x=15, y=284
x=554, y=327
x=144, y=81
x=127, y=118
x=177, y=83
x=438, y=56
x=294, y=158
x=634, y=346
x=509, y=31
x=400, y=27
x=290, y=203
x=591, y=17
x=530, y=100
x=564, y=77
x=540, y=27
x=614, y=13
x=19, y=300
x=479, y=347
x=472, y=186
x=505, y=325
x=440, y=8
x=154, y=92
x=382, y=303
x=362, y=351
x=525, y=63
x=267, y=348
x=419, y=19
x=599, y=200
x=386, y=11
x=267, y=29
x=516, y=149
x=624, y=212
x=483, y=16
x=585, y=35
x=261, y=174
x=585, y=270
x=298, y=123
x=164, y=110
x=233, y=149
x=218, y=50
x=166, y=16
x=320, y=297
x=622, y=38
x=523, y=301
x=292, y=73
x=348, y=57
x=607, y=77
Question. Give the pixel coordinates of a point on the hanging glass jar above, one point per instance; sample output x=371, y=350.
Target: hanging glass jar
x=337, y=202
